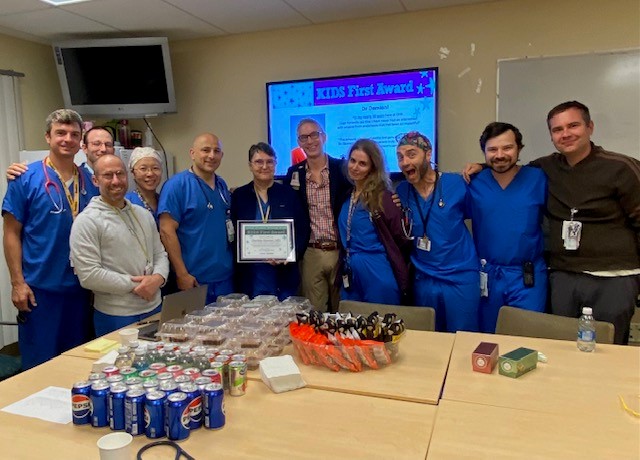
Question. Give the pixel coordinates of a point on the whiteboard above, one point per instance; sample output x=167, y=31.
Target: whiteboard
x=607, y=83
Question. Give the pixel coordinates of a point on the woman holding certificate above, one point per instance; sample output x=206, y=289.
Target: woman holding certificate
x=376, y=249
x=263, y=200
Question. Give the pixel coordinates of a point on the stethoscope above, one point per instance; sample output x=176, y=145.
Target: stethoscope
x=407, y=219
x=210, y=206
x=58, y=207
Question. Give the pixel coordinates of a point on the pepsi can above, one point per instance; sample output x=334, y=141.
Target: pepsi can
x=182, y=379
x=164, y=376
x=213, y=405
x=168, y=386
x=194, y=396
x=202, y=382
x=116, y=378
x=154, y=414
x=96, y=376
x=100, y=404
x=134, y=421
x=178, y=416
x=116, y=406
x=150, y=385
x=81, y=403
x=213, y=374
x=133, y=381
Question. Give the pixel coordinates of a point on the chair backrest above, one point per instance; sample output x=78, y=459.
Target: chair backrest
x=516, y=321
x=418, y=318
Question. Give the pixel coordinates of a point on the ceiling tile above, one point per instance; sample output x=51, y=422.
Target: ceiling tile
x=340, y=10
x=21, y=6
x=417, y=5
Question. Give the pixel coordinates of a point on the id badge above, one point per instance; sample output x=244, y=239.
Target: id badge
x=231, y=233
x=424, y=243
x=295, y=179
x=345, y=281
x=484, y=284
x=571, y=232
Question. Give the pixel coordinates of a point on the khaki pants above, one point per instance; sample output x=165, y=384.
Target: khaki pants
x=319, y=270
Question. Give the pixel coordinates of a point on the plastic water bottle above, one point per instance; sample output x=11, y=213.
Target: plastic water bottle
x=123, y=359
x=586, y=331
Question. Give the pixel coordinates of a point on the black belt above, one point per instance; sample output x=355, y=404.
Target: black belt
x=324, y=245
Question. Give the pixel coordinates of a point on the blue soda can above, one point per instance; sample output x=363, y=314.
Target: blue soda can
x=150, y=385
x=178, y=416
x=213, y=404
x=202, y=382
x=100, y=404
x=116, y=406
x=154, y=414
x=116, y=378
x=194, y=396
x=169, y=387
x=134, y=421
x=95, y=376
x=81, y=403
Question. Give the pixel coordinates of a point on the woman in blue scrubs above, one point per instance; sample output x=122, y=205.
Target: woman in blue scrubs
x=370, y=225
x=146, y=166
x=263, y=199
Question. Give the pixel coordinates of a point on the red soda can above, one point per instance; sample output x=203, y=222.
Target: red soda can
x=182, y=379
x=192, y=372
x=175, y=369
x=158, y=367
x=110, y=370
x=213, y=374
x=148, y=374
x=164, y=376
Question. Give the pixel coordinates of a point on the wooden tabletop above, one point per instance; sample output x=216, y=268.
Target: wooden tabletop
x=571, y=382
x=302, y=424
x=477, y=431
x=417, y=375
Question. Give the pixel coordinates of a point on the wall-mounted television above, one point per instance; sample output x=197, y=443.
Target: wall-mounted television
x=378, y=106
x=119, y=78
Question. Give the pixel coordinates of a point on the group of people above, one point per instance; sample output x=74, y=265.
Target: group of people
x=68, y=230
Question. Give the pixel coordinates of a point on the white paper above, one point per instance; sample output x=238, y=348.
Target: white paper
x=53, y=404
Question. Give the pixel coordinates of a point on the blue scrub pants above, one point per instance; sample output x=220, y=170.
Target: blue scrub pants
x=372, y=280
x=215, y=289
x=456, y=304
x=59, y=322
x=104, y=323
x=506, y=287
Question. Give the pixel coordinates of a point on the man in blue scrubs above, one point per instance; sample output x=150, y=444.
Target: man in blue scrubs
x=195, y=224
x=507, y=204
x=445, y=260
x=54, y=313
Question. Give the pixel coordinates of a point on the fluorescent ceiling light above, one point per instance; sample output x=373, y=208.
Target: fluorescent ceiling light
x=62, y=2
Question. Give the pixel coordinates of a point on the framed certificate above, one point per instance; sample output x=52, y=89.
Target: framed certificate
x=260, y=241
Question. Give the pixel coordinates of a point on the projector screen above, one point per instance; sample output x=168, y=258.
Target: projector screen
x=378, y=106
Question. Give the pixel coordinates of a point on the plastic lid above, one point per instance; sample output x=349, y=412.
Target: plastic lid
x=587, y=311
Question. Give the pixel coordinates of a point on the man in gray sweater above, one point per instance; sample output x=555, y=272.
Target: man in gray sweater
x=116, y=252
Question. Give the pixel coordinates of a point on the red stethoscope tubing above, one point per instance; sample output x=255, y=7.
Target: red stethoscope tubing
x=48, y=182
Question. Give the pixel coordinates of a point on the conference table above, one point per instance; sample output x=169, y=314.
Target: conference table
x=301, y=424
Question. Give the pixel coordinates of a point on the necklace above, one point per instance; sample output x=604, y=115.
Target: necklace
x=144, y=202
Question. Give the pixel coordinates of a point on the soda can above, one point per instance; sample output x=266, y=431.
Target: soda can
x=110, y=370
x=96, y=376
x=182, y=379
x=128, y=372
x=81, y=403
x=239, y=357
x=134, y=420
x=100, y=404
x=154, y=414
x=202, y=382
x=175, y=369
x=158, y=367
x=224, y=360
x=147, y=374
x=213, y=406
x=117, y=378
x=168, y=386
x=226, y=351
x=192, y=372
x=178, y=416
x=164, y=376
x=194, y=396
x=237, y=378
x=116, y=406
x=133, y=381
x=150, y=385
x=213, y=374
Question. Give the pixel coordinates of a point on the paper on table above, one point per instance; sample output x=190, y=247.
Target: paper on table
x=53, y=404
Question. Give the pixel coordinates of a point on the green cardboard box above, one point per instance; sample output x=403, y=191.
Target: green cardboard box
x=517, y=362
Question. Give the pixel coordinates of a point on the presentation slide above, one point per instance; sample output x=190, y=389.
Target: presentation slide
x=378, y=106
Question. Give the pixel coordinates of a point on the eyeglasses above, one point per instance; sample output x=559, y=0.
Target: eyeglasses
x=108, y=145
x=267, y=163
x=314, y=136
x=109, y=176
x=146, y=169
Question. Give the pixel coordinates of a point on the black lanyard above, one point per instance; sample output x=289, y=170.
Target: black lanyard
x=423, y=218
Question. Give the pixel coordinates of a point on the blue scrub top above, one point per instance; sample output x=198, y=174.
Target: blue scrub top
x=45, y=230
x=453, y=253
x=507, y=224
x=135, y=199
x=201, y=231
x=92, y=189
x=364, y=237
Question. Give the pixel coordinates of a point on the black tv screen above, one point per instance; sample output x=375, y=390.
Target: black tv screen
x=378, y=106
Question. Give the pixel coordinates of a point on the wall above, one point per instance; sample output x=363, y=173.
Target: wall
x=39, y=88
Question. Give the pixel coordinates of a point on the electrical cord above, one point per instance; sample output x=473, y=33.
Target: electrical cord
x=180, y=452
x=164, y=153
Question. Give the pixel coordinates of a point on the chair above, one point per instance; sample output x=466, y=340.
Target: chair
x=418, y=318
x=516, y=321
